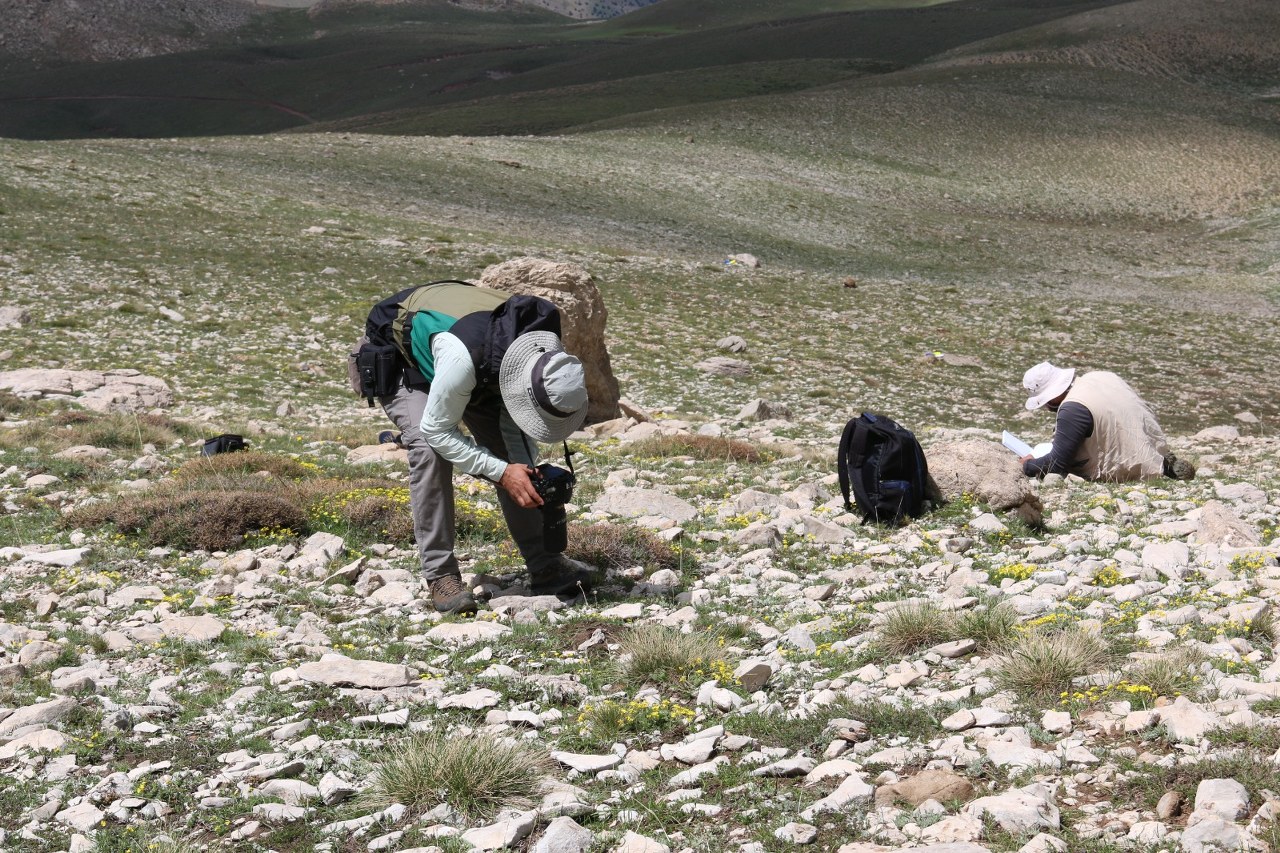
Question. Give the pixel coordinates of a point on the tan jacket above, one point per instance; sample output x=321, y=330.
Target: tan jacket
x=1127, y=442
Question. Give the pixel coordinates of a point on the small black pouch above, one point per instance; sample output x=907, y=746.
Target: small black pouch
x=225, y=443
x=379, y=369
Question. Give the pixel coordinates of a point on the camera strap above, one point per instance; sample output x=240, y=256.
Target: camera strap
x=568, y=458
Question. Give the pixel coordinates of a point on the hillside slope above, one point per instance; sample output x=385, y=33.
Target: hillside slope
x=108, y=30
x=1230, y=44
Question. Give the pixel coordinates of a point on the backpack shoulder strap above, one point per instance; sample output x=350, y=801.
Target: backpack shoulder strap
x=853, y=445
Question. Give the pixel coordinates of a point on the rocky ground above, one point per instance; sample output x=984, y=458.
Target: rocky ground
x=869, y=690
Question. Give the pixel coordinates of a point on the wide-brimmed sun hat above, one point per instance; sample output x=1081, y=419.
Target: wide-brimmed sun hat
x=543, y=387
x=1045, y=382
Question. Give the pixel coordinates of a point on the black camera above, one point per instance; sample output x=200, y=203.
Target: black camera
x=555, y=487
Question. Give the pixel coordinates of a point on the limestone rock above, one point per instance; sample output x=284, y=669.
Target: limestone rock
x=1020, y=810
x=120, y=390
x=335, y=669
x=42, y=713
x=633, y=842
x=630, y=502
x=582, y=315
x=723, y=366
x=193, y=629
x=1220, y=525
x=13, y=316
x=940, y=785
x=986, y=470
x=564, y=835
x=510, y=828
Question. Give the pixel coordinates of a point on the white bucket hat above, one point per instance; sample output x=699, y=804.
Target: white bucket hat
x=543, y=387
x=1045, y=382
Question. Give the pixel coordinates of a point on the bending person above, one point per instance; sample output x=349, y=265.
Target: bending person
x=1104, y=430
x=493, y=362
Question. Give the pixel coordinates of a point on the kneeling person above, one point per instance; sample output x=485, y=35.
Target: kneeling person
x=494, y=362
x=1104, y=430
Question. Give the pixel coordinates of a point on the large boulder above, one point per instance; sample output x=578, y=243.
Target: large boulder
x=121, y=390
x=571, y=289
x=986, y=470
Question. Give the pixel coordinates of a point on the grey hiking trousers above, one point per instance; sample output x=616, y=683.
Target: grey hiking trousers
x=431, y=489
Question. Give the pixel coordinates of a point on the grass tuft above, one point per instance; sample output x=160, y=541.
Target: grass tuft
x=703, y=447
x=475, y=775
x=912, y=627
x=652, y=654
x=1041, y=666
x=1171, y=673
x=992, y=626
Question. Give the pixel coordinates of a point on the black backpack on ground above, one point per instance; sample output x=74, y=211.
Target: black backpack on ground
x=884, y=467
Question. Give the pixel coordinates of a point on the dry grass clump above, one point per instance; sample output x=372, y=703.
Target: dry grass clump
x=11, y=405
x=705, y=447
x=1172, y=673
x=616, y=546
x=652, y=654
x=476, y=775
x=115, y=430
x=243, y=463
x=213, y=521
x=218, y=511
x=1040, y=666
x=916, y=626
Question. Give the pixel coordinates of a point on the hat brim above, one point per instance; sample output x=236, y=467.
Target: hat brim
x=1061, y=382
x=515, y=382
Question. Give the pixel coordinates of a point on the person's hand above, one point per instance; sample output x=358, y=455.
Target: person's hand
x=1024, y=460
x=517, y=480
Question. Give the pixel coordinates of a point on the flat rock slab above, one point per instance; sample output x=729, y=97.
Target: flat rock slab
x=39, y=714
x=1017, y=810
x=100, y=390
x=635, y=843
x=472, y=700
x=44, y=740
x=128, y=596
x=63, y=557
x=503, y=833
x=467, y=633
x=587, y=763
x=193, y=629
x=630, y=502
x=83, y=816
x=339, y=670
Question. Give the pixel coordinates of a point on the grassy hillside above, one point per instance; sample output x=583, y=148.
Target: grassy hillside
x=439, y=68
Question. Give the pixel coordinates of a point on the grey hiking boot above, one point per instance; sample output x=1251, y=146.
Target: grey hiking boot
x=562, y=577
x=448, y=595
x=1178, y=469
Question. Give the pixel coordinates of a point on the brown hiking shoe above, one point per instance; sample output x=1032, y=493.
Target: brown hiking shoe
x=448, y=595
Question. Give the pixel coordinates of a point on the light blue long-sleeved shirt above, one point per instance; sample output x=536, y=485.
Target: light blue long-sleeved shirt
x=455, y=379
